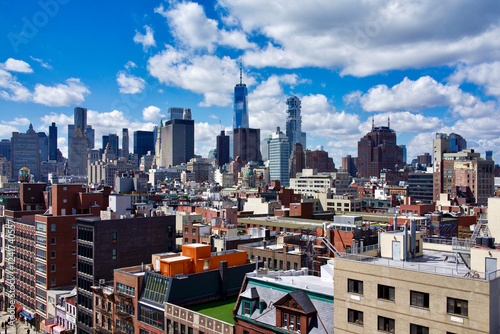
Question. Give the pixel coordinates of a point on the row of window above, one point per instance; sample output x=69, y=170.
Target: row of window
x=417, y=298
x=384, y=324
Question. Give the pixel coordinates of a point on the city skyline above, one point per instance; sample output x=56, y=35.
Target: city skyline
x=428, y=73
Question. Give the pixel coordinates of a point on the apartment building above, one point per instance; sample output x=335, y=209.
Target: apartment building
x=417, y=291
x=104, y=245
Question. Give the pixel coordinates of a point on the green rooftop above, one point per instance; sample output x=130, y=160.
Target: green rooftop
x=221, y=309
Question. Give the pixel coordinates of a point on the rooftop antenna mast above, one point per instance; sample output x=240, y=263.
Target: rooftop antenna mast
x=241, y=75
x=373, y=123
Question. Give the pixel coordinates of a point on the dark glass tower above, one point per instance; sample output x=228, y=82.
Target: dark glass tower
x=144, y=141
x=53, y=142
x=240, y=111
x=222, y=149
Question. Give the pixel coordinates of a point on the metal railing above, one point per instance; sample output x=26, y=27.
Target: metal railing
x=462, y=244
x=440, y=241
x=423, y=267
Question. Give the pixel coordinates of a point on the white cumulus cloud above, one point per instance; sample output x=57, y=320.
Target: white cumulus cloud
x=129, y=84
x=61, y=95
x=152, y=113
x=14, y=65
x=146, y=40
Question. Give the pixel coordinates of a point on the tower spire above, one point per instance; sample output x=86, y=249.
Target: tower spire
x=241, y=73
x=388, y=121
x=373, y=123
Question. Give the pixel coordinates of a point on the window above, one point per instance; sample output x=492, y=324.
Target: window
x=52, y=227
x=417, y=329
x=246, y=308
x=114, y=254
x=457, y=306
x=419, y=299
x=53, y=281
x=53, y=254
x=113, y=240
x=73, y=226
x=52, y=267
x=291, y=322
x=385, y=324
x=186, y=230
x=53, y=241
x=194, y=231
x=355, y=317
x=41, y=227
x=186, y=240
x=385, y=292
x=128, y=290
x=96, y=301
x=355, y=286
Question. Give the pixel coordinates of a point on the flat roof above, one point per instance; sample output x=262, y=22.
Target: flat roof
x=221, y=310
x=432, y=261
x=305, y=282
x=175, y=258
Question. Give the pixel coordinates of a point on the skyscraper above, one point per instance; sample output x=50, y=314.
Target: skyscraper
x=26, y=152
x=80, y=122
x=240, y=111
x=77, y=161
x=44, y=146
x=112, y=139
x=294, y=123
x=222, y=149
x=265, y=148
x=144, y=141
x=246, y=144
x=175, y=113
x=177, y=142
x=125, y=143
x=80, y=118
x=279, y=156
x=377, y=150
x=53, y=142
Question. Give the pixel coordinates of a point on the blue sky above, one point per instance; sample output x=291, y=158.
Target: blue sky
x=432, y=67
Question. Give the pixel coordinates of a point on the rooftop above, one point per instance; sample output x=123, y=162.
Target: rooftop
x=432, y=261
x=221, y=309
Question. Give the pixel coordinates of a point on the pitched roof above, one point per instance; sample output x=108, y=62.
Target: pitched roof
x=302, y=300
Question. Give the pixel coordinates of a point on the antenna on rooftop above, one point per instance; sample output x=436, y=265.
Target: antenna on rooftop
x=388, y=121
x=373, y=123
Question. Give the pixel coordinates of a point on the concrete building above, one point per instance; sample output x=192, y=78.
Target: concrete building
x=200, y=168
x=177, y=142
x=465, y=168
x=125, y=144
x=420, y=186
x=77, y=152
x=113, y=141
x=26, y=153
x=279, y=155
x=418, y=291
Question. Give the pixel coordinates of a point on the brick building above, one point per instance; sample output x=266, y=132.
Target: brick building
x=107, y=244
